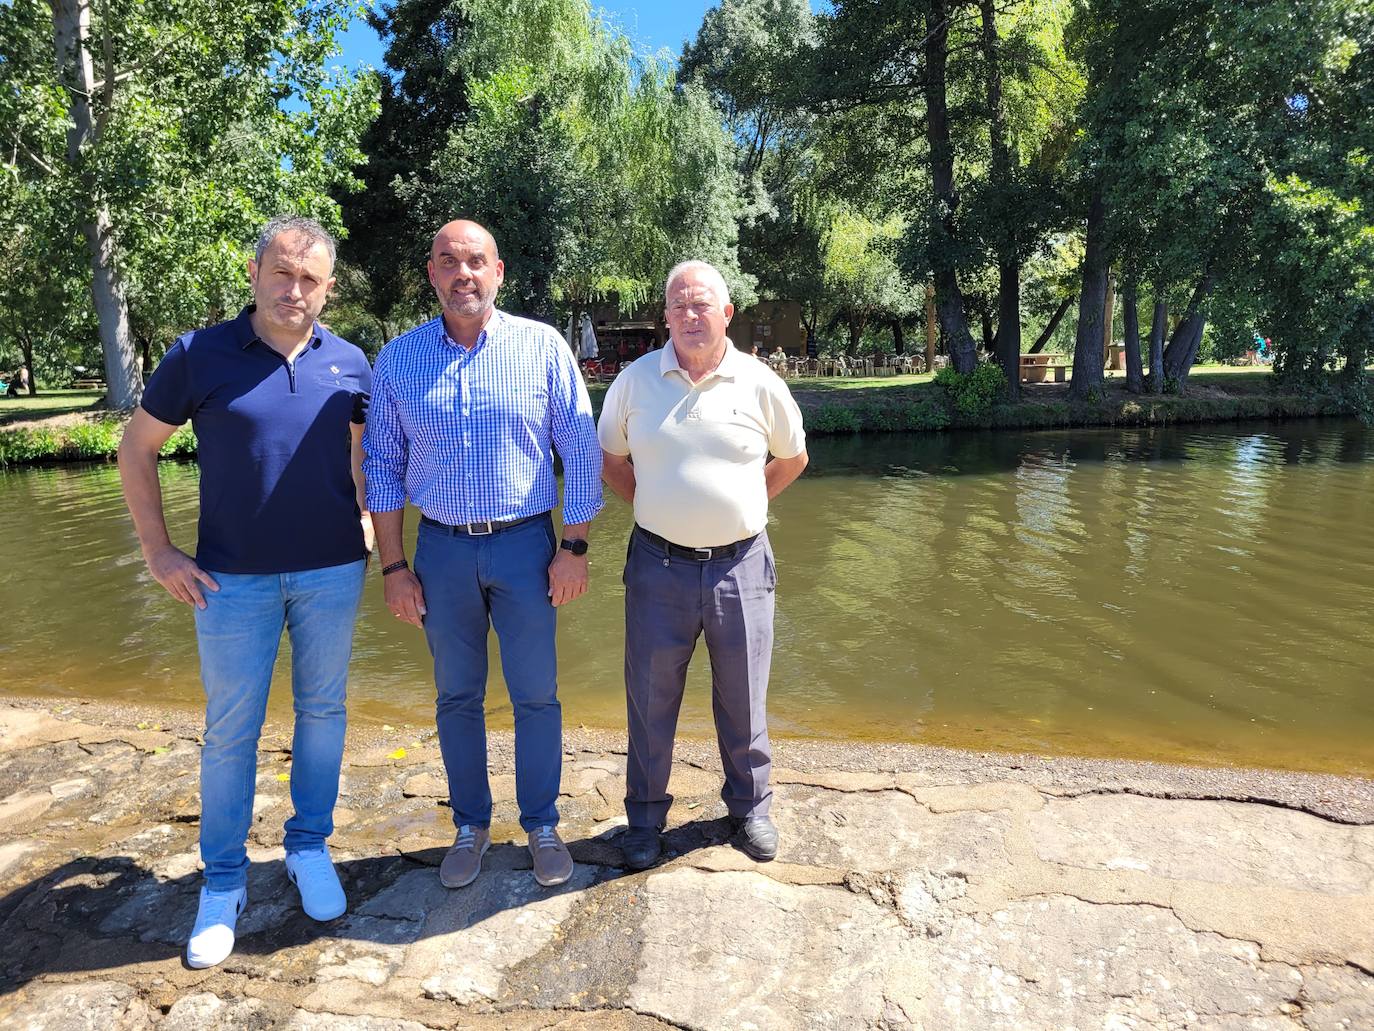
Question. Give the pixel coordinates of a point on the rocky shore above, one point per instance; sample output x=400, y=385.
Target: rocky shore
x=915, y=888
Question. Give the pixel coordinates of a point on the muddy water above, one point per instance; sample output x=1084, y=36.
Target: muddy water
x=1199, y=595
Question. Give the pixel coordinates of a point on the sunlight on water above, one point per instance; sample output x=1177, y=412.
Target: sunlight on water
x=1188, y=594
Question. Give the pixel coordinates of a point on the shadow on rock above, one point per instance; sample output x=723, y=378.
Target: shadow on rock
x=105, y=913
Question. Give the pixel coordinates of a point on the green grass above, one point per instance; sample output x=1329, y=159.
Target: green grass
x=15, y=410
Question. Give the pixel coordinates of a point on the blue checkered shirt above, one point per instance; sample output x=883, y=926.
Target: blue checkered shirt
x=467, y=435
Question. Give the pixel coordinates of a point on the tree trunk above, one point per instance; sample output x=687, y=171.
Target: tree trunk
x=1051, y=326
x=898, y=339
x=71, y=28
x=26, y=351
x=1158, y=325
x=1183, y=347
x=989, y=337
x=930, y=327
x=1087, y=348
x=1130, y=317
x=1108, y=315
x=949, y=299
x=856, y=329
x=1008, y=339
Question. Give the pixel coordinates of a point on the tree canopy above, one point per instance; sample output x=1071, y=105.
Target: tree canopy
x=1032, y=162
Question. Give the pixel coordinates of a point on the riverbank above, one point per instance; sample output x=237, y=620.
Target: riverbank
x=69, y=427
x=914, y=888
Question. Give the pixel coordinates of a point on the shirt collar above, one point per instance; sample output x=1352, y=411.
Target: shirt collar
x=243, y=329
x=489, y=331
x=727, y=369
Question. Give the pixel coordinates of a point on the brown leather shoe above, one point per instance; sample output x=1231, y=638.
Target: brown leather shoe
x=464, y=860
x=552, y=862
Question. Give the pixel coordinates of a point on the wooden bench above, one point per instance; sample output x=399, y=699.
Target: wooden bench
x=88, y=384
x=1037, y=368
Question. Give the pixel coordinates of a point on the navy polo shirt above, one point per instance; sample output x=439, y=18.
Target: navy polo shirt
x=276, y=479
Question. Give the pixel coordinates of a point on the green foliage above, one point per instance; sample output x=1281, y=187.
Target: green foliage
x=595, y=174
x=84, y=442
x=209, y=119
x=22, y=445
x=834, y=418
x=971, y=396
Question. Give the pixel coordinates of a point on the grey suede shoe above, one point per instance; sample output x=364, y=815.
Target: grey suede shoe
x=552, y=862
x=464, y=860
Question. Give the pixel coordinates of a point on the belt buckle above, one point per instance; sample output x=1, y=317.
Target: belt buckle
x=703, y=558
x=480, y=533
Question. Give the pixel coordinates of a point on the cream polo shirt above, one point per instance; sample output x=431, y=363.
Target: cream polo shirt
x=699, y=448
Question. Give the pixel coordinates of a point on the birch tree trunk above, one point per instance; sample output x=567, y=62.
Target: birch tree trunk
x=71, y=30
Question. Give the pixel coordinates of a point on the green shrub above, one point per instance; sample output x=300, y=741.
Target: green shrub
x=181, y=444
x=922, y=415
x=971, y=396
x=835, y=418
x=92, y=440
x=84, y=442
x=20, y=446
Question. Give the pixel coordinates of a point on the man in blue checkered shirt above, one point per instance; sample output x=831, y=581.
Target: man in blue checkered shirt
x=466, y=412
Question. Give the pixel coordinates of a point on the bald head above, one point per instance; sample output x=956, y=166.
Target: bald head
x=463, y=231
x=465, y=271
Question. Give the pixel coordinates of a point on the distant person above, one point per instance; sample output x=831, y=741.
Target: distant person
x=277, y=404
x=686, y=436
x=19, y=382
x=778, y=359
x=468, y=411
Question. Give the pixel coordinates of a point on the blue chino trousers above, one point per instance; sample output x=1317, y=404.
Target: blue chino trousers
x=238, y=634
x=472, y=584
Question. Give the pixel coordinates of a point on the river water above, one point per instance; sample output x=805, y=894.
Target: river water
x=1189, y=594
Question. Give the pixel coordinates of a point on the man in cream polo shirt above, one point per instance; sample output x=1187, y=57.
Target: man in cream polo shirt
x=686, y=433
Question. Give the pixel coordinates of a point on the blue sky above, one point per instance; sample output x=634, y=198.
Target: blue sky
x=650, y=23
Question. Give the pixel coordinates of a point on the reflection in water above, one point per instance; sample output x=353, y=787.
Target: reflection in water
x=1189, y=594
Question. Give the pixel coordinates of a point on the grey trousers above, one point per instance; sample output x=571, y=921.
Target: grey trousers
x=670, y=601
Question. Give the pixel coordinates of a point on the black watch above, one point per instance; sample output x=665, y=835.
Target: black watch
x=576, y=546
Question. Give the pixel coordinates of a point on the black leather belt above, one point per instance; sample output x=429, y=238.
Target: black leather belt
x=483, y=529
x=696, y=554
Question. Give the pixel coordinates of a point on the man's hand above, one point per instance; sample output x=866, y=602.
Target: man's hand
x=404, y=596
x=369, y=534
x=179, y=574
x=567, y=577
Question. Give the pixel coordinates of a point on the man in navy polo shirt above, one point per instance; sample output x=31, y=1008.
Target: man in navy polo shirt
x=277, y=404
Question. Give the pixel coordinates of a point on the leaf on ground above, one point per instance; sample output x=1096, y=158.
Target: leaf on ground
x=400, y=753
x=283, y=776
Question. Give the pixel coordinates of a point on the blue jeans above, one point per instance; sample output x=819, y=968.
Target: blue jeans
x=499, y=580
x=239, y=633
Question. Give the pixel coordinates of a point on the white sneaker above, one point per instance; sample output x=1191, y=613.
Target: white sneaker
x=322, y=896
x=212, y=939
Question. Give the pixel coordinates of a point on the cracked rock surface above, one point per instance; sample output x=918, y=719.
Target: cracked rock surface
x=913, y=889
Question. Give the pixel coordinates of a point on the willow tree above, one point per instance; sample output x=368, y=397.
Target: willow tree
x=593, y=171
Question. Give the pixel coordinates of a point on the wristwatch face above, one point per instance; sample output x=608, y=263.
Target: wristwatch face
x=576, y=547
